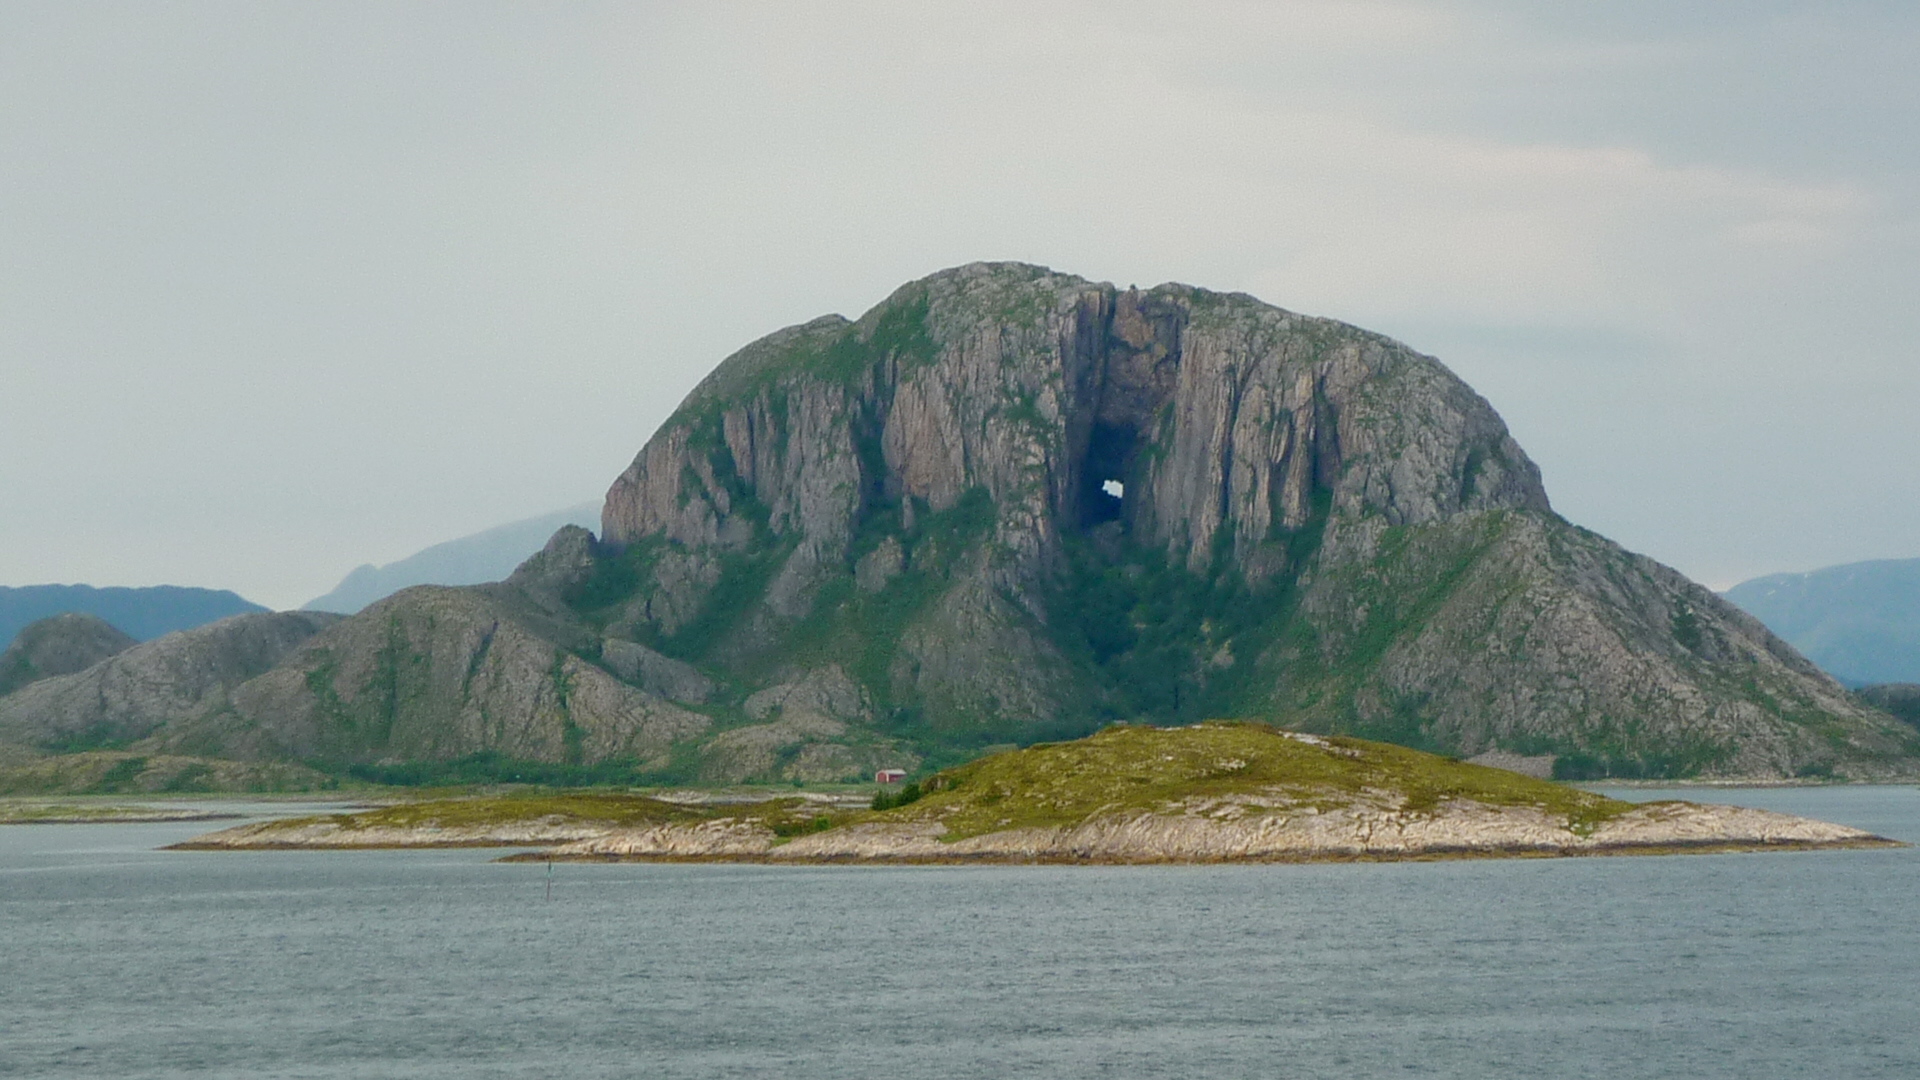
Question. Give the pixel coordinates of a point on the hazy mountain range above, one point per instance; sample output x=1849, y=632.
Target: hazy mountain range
x=469, y=560
x=1860, y=621
x=141, y=613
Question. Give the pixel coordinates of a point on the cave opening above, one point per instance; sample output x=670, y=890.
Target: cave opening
x=1103, y=477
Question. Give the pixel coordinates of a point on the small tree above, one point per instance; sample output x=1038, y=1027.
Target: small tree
x=884, y=801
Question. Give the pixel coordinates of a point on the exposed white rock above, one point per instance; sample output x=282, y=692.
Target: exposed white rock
x=1364, y=829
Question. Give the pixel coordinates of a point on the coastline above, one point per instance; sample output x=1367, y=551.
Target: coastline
x=1210, y=793
x=1219, y=831
x=1703, y=847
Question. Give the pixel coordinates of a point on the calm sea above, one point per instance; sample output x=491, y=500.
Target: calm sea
x=117, y=960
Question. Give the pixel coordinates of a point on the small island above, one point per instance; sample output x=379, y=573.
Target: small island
x=1213, y=792
x=75, y=812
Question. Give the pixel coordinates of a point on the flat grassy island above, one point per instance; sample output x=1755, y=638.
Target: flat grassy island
x=534, y=818
x=1213, y=792
x=83, y=812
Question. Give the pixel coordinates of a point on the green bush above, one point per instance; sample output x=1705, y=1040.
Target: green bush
x=883, y=800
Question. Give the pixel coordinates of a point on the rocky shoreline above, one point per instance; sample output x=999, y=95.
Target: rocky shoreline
x=1211, y=793
x=1353, y=832
x=1231, y=831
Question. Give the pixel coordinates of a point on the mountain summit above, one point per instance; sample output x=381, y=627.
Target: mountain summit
x=1009, y=504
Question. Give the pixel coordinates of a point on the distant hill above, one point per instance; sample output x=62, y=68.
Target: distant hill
x=59, y=645
x=1860, y=621
x=1900, y=699
x=470, y=560
x=175, y=677
x=143, y=613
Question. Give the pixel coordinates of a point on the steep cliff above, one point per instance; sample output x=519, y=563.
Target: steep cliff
x=1008, y=504
x=1012, y=503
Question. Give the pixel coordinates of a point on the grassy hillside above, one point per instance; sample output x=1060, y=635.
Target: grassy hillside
x=1125, y=768
x=1120, y=770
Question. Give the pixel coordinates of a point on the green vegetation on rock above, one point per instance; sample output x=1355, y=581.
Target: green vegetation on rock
x=1125, y=769
x=614, y=810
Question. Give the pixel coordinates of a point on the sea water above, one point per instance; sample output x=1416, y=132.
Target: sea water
x=119, y=960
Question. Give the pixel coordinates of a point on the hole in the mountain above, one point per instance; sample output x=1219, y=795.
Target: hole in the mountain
x=1104, y=492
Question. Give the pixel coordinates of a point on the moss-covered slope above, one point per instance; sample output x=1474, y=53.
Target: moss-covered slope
x=1127, y=770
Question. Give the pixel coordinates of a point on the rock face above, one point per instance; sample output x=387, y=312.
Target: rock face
x=1013, y=503
x=436, y=674
x=1009, y=504
x=60, y=645
x=1216, y=834
x=151, y=686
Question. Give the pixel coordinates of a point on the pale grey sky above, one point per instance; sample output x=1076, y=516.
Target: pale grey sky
x=286, y=288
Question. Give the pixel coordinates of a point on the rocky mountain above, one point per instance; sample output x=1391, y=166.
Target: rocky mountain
x=144, y=613
x=1009, y=504
x=144, y=688
x=1860, y=621
x=470, y=560
x=59, y=645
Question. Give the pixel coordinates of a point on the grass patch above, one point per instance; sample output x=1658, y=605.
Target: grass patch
x=489, y=768
x=888, y=800
x=121, y=774
x=1126, y=769
x=744, y=577
x=785, y=817
x=1149, y=628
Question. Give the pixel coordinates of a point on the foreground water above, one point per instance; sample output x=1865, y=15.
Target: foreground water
x=117, y=960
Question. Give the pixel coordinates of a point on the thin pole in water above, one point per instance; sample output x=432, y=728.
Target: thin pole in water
x=549, y=879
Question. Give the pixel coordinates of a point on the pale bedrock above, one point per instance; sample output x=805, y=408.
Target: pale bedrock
x=1233, y=830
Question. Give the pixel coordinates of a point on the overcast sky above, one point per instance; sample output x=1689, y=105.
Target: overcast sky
x=286, y=288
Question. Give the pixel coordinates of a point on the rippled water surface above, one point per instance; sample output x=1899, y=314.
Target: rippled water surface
x=117, y=960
